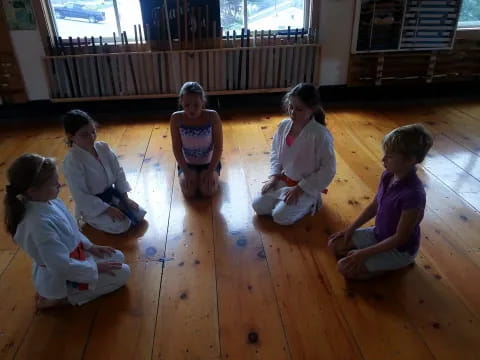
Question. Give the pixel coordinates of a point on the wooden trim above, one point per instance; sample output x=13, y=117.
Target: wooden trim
x=315, y=13
x=170, y=95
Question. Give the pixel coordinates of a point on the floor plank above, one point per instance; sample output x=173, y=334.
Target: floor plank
x=210, y=280
x=249, y=318
x=187, y=322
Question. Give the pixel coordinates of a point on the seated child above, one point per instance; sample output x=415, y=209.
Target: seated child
x=302, y=160
x=67, y=267
x=399, y=205
x=197, y=142
x=96, y=179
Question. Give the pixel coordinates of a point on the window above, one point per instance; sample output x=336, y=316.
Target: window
x=470, y=14
x=263, y=14
x=80, y=18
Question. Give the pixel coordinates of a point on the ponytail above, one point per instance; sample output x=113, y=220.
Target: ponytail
x=319, y=116
x=29, y=170
x=14, y=209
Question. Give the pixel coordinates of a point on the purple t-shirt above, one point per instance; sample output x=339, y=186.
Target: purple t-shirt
x=408, y=193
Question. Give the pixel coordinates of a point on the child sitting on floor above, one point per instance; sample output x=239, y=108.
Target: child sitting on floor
x=302, y=160
x=399, y=206
x=67, y=267
x=197, y=141
x=96, y=178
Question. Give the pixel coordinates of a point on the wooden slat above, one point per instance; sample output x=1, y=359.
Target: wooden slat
x=303, y=276
x=133, y=310
x=246, y=296
x=188, y=297
x=18, y=308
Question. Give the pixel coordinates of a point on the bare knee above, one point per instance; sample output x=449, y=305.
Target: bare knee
x=209, y=187
x=189, y=186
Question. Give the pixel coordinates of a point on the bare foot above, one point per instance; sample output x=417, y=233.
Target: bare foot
x=44, y=303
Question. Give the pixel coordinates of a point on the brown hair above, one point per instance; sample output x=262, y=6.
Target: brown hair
x=29, y=170
x=310, y=96
x=409, y=140
x=74, y=120
x=192, y=87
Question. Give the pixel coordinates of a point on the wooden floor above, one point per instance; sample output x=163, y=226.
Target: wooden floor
x=210, y=280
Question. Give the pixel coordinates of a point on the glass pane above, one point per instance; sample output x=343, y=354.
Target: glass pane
x=130, y=15
x=275, y=14
x=231, y=14
x=80, y=18
x=470, y=14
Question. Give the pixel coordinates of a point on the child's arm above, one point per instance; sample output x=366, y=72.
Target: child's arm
x=177, y=142
x=366, y=215
x=85, y=201
x=323, y=176
x=217, y=141
x=121, y=183
x=275, y=165
x=56, y=257
x=408, y=220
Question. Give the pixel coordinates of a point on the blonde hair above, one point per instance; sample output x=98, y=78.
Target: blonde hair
x=409, y=140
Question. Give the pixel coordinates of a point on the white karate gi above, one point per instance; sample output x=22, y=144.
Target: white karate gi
x=87, y=177
x=310, y=160
x=48, y=233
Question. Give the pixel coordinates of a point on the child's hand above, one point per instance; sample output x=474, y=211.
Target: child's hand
x=270, y=184
x=355, y=262
x=101, y=251
x=292, y=195
x=115, y=214
x=132, y=203
x=108, y=267
x=346, y=234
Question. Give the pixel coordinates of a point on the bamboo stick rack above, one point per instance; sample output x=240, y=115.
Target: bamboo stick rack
x=157, y=74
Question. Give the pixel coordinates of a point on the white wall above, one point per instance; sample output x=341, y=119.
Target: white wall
x=336, y=19
x=29, y=50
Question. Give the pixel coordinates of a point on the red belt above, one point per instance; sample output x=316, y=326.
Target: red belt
x=291, y=182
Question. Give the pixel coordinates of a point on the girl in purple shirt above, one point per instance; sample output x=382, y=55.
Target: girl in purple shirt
x=398, y=208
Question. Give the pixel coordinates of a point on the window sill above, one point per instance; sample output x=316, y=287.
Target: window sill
x=468, y=33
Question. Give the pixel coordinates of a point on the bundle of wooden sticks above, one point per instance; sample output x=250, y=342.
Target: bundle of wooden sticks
x=143, y=42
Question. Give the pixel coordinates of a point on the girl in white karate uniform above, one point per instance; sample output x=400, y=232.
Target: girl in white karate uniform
x=302, y=162
x=67, y=267
x=96, y=179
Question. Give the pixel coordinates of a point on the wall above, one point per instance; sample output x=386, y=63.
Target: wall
x=336, y=19
x=29, y=50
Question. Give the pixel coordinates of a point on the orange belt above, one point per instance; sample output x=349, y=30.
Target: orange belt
x=291, y=182
x=79, y=254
